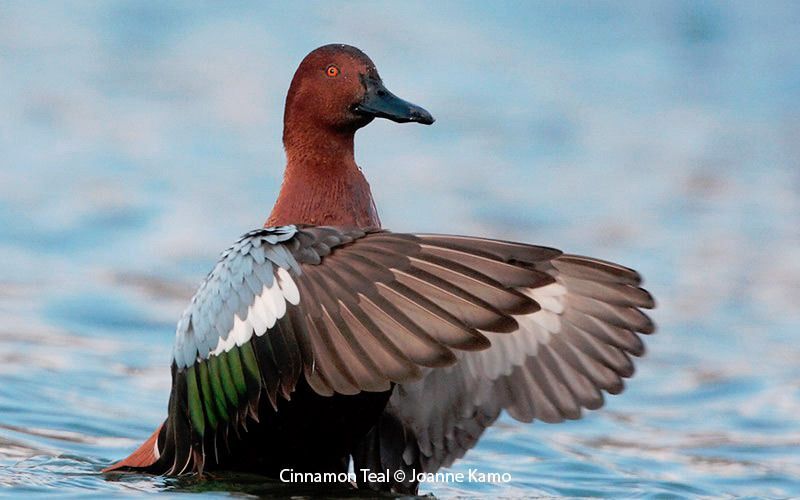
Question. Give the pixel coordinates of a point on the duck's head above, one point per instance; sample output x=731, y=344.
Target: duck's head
x=337, y=88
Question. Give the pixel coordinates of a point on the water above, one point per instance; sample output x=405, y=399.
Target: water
x=140, y=139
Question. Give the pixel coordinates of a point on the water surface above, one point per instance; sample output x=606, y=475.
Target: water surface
x=139, y=139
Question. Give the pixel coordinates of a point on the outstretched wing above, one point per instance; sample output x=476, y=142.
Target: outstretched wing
x=559, y=361
x=347, y=309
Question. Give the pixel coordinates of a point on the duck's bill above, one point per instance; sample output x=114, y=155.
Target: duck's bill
x=380, y=103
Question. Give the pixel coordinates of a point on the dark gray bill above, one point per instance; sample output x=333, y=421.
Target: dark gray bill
x=380, y=103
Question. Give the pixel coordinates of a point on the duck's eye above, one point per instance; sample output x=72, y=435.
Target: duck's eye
x=332, y=71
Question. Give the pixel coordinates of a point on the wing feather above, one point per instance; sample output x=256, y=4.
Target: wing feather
x=575, y=344
x=466, y=326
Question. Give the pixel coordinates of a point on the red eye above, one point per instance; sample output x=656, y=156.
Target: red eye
x=332, y=71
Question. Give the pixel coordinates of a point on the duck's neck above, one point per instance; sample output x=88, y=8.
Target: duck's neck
x=322, y=184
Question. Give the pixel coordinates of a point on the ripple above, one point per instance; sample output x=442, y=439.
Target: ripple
x=660, y=136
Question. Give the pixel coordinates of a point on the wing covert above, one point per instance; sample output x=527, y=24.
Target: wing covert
x=558, y=362
x=349, y=310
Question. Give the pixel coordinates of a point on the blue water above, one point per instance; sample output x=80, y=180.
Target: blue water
x=138, y=139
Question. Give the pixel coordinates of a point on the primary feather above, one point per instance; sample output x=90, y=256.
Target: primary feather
x=452, y=329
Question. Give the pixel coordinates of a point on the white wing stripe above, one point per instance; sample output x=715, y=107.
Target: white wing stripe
x=246, y=293
x=549, y=321
x=242, y=330
x=288, y=287
x=269, y=298
x=224, y=345
x=509, y=351
x=553, y=289
x=262, y=308
x=280, y=299
x=552, y=304
x=257, y=317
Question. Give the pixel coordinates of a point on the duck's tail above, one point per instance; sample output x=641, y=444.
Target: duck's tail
x=143, y=459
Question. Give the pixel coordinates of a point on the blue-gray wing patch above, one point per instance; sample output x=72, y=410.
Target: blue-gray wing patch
x=245, y=294
x=351, y=310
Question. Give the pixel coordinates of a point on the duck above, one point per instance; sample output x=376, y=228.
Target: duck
x=322, y=343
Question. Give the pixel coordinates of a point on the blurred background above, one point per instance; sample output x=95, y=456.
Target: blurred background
x=139, y=139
